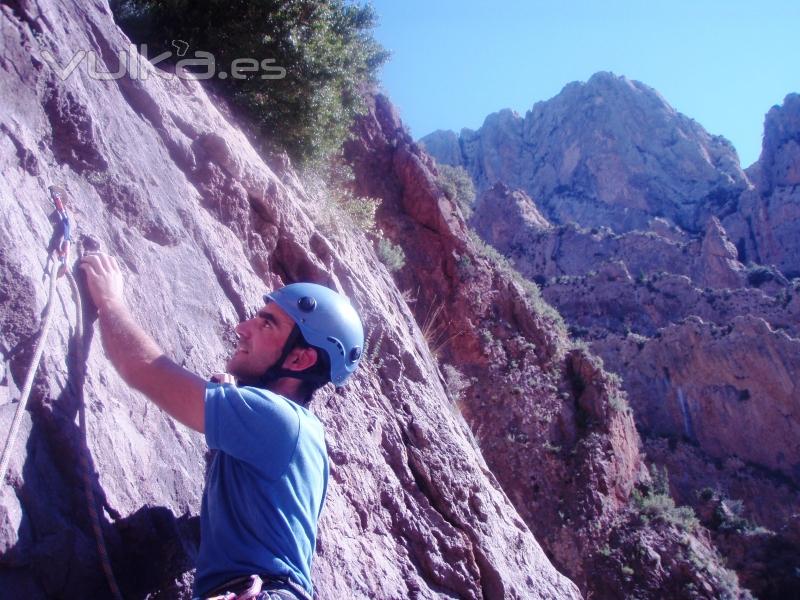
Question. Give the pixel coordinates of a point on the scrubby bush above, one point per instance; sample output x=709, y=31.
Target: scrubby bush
x=360, y=210
x=391, y=255
x=458, y=187
x=636, y=338
x=331, y=184
x=456, y=382
x=728, y=513
x=656, y=503
x=661, y=507
x=758, y=275
x=619, y=403
x=340, y=179
x=323, y=48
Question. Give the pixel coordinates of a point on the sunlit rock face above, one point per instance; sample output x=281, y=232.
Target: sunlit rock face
x=157, y=175
x=550, y=421
x=766, y=227
x=676, y=267
x=500, y=213
x=610, y=152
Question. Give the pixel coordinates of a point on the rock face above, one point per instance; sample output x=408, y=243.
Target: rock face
x=722, y=388
x=551, y=423
x=719, y=266
x=656, y=283
x=620, y=290
x=159, y=177
x=712, y=366
x=765, y=556
x=766, y=225
x=610, y=152
x=503, y=213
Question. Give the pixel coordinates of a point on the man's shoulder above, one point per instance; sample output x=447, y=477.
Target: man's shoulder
x=249, y=390
x=299, y=422
x=281, y=404
x=263, y=395
x=244, y=408
x=249, y=394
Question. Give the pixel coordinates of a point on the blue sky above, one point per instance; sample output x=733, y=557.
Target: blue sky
x=723, y=64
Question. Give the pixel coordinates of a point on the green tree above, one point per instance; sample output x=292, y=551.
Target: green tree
x=325, y=48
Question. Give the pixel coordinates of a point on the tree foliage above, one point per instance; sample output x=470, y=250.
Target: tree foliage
x=325, y=47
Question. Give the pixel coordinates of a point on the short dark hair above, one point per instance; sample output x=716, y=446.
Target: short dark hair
x=320, y=371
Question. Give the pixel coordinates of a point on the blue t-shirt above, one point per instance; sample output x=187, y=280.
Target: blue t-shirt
x=265, y=488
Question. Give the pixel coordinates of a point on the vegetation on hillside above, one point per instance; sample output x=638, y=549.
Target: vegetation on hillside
x=458, y=187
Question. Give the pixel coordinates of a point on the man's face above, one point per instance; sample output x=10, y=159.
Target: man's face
x=261, y=340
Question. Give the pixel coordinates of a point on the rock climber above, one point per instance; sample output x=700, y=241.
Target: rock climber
x=267, y=481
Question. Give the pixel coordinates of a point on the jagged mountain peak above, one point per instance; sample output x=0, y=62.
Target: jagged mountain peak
x=704, y=342
x=608, y=84
x=767, y=218
x=780, y=150
x=609, y=151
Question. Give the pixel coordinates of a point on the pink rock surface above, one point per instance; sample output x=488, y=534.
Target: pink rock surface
x=158, y=174
x=674, y=265
x=551, y=423
x=610, y=151
x=767, y=223
x=730, y=389
x=502, y=212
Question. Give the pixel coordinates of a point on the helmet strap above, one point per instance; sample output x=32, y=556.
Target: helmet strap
x=276, y=371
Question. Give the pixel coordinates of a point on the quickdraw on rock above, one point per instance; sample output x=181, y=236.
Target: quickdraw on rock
x=58, y=261
x=64, y=238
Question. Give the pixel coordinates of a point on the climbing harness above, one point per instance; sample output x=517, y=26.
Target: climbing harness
x=58, y=262
x=242, y=588
x=258, y=587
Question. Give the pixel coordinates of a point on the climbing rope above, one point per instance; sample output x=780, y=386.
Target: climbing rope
x=60, y=255
x=26, y=389
x=86, y=472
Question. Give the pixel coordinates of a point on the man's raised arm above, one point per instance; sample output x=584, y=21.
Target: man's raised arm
x=134, y=354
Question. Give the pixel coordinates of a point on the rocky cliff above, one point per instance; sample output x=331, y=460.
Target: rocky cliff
x=706, y=349
x=159, y=175
x=553, y=426
x=610, y=150
x=767, y=221
x=657, y=268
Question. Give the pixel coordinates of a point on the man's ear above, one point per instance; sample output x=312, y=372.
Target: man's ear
x=300, y=359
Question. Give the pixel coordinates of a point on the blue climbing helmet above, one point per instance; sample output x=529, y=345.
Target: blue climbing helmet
x=327, y=321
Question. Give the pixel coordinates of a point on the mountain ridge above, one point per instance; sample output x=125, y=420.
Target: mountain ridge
x=691, y=295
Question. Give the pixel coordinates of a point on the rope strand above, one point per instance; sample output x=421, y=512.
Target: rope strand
x=102, y=550
x=26, y=389
x=58, y=266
